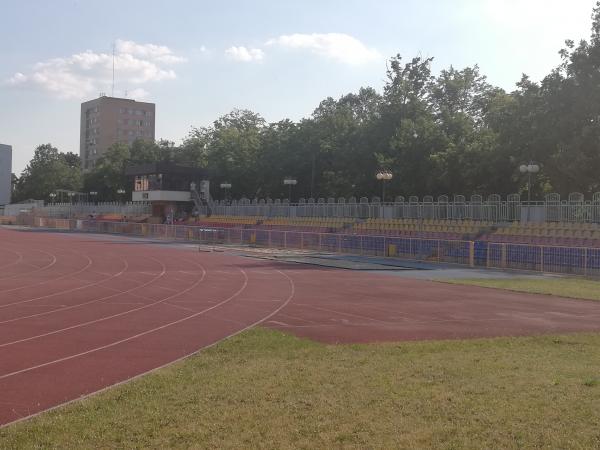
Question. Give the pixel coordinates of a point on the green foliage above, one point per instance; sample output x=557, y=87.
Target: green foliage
x=453, y=133
x=109, y=174
x=48, y=171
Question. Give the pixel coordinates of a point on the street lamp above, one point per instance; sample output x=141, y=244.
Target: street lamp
x=93, y=194
x=225, y=186
x=71, y=195
x=121, y=192
x=289, y=181
x=383, y=176
x=52, y=197
x=529, y=169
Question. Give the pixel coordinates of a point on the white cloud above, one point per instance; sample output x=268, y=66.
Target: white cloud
x=159, y=53
x=337, y=46
x=87, y=73
x=138, y=94
x=245, y=54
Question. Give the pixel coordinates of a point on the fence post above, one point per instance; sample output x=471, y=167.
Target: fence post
x=541, y=258
x=503, y=256
x=439, y=251
x=285, y=239
x=585, y=262
x=487, y=255
x=471, y=253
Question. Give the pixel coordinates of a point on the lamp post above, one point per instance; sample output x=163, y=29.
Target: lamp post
x=289, y=181
x=94, y=195
x=52, y=196
x=225, y=186
x=383, y=176
x=71, y=195
x=121, y=192
x=530, y=169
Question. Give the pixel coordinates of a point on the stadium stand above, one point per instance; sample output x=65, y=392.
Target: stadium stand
x=8, y=220
x=548, y=233
x=543, y=233
x=227, y=221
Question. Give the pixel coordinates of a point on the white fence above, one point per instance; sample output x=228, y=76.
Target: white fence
x=80, y=209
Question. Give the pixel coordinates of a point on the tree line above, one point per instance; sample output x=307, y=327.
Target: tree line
x=450, y=133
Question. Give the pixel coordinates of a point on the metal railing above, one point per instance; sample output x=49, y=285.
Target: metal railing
x=67, y=210
x=491, y=211
x=553, y=259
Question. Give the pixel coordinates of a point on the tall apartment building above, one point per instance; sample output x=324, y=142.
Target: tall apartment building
x=108, y=120
x=5, y=174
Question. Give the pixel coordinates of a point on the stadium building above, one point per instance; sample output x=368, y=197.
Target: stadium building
x=174, y=191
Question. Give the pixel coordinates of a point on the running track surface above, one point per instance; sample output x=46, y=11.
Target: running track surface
x=79, y=313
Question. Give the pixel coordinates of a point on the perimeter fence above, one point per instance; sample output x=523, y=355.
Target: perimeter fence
x=482, y=254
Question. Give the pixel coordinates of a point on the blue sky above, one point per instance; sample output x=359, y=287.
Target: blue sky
x=198, y=60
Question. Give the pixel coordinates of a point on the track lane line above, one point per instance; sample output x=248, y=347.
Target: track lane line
x=17, y=261
x=170, y=363
x=62, y=277
x=85, y=286
x=119, y=292
x=39, y=269
x=102, y=319
x=135, y=336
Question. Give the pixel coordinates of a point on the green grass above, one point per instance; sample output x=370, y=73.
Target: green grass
x=563, y=287
x=265, y=389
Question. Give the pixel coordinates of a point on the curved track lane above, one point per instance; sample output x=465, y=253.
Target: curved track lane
x=80, y=313
x=118, y=311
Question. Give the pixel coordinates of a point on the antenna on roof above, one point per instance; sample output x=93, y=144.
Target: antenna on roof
x=113, y=71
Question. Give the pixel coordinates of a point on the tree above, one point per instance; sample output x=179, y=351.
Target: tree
x=48, y=171
x=108, y=176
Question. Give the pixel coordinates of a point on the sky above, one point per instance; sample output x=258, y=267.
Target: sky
x=198, y=60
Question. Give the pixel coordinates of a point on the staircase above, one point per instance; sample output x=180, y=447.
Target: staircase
x=200, y=203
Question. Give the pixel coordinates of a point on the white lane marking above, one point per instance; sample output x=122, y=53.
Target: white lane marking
x=48, y=281
x=135, y=336
x=102, y=319
x=91, y=301
x=175, y=361
x=17, y=261
x=69, y=290
x=53, y=261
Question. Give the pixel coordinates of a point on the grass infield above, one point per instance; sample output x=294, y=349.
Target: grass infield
x=270, y=390
x=562, y=287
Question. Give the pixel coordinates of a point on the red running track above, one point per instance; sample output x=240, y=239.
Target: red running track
x=79, y=313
